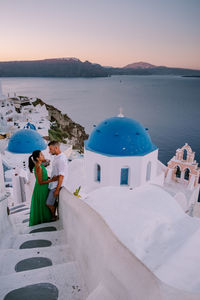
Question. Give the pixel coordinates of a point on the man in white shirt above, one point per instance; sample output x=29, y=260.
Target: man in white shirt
x=59, y=169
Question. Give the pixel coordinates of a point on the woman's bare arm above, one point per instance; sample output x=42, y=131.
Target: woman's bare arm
x=38, y=171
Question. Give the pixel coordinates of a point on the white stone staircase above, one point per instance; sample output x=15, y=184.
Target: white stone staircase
x=63, y=272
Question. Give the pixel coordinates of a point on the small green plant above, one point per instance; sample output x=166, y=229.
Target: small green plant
x=76, y=193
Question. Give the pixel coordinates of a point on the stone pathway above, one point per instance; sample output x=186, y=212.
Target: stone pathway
x=36, y=262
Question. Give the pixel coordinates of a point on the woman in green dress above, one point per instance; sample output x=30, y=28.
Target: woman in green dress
x=39, y=212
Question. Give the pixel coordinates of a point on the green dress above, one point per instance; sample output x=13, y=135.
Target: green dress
x=40, y=213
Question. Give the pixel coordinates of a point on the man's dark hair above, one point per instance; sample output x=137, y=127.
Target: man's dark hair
x=53, y=143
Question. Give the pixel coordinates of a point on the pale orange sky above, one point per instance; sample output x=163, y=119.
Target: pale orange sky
x=109, y=32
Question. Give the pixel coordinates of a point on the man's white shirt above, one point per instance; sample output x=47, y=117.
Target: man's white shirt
x=59, y=167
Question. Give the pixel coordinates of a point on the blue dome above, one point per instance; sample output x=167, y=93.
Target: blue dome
x=120, y=137
x=30, y=126
x=26, y=141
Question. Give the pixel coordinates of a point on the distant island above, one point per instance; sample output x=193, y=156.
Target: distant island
x=73, y=67
x=66, y=67
x=145, y=68
x=193, y=76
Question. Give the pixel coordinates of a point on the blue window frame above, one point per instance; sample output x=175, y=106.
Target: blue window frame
x=98, y=173
x=124, y=176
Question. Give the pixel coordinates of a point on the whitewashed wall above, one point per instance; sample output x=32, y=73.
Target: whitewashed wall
x=110, y=270
x=16, y=186
x=2, y=185
x=29, y=186
x=111, y=169
x=194, y=198
x=4, y=221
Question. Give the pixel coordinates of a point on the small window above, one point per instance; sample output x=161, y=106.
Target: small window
x=187, y=174
x=185, y=154
x=178, y=172
x=98, y=173
x=148, y=173
x=124, y=176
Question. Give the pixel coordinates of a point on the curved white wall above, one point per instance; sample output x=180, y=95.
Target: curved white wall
x=110, y=270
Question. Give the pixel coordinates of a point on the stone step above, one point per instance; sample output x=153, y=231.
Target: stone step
x=37, y=264
x=14, y=208
x=18, y=215
x=16, y=241
x=65, y=278
x=39, y=291
x=14, y=258
x=12, y=212
x=20, y=223
x=22, y=228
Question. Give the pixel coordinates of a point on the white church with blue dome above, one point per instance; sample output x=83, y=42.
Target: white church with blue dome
x=119, y=152
x=25, y=141
x=20, y=146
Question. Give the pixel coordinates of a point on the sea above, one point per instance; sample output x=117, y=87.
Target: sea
x=169, y=106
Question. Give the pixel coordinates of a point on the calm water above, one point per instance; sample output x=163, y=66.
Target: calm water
x=168, y=105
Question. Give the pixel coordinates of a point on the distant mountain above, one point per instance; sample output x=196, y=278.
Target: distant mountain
x=140, y=65
x=143, y=68
x=57, y=67
x=73, y=67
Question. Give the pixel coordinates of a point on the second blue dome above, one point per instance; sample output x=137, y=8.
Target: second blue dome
x=120, y=136
x=26, y=141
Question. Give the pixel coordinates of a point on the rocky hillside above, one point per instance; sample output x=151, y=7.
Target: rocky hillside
x=52, y=68
x=63, y=129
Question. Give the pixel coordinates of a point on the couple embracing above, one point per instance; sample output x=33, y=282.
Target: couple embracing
x=46, y=191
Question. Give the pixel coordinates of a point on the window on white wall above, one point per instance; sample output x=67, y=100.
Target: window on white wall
x=148, y=172
x=98, y=173
x=124, y=176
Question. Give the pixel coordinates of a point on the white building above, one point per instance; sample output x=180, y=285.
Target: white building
x=122, y=179
x=120, y=152
x=20, y=147
x=2, y=186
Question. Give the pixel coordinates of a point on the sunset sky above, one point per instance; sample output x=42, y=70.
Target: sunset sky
x=109, y=32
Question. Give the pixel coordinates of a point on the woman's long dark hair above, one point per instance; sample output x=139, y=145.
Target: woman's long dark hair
x=32, y=159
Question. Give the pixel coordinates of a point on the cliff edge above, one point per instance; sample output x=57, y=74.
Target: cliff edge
x=63, y=129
